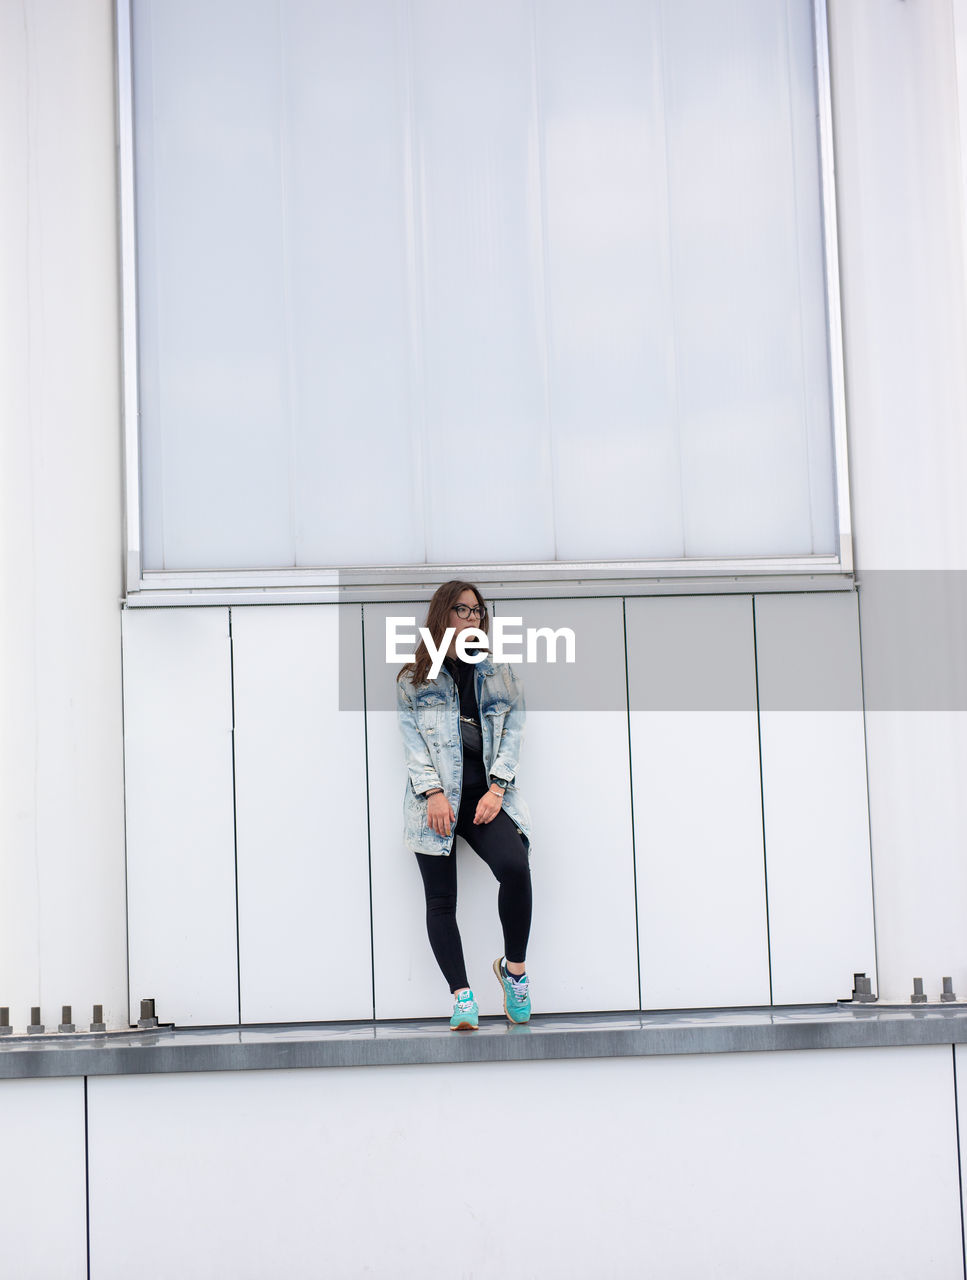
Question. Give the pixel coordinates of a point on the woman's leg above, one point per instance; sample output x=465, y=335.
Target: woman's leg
x=440, y=886
x=501, y=847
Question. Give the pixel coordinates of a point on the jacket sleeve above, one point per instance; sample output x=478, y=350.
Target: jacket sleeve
x=420, y=767
x=508, y=749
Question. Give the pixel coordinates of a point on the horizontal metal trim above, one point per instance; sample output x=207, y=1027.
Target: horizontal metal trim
x=287, y=586
x=550, y=1037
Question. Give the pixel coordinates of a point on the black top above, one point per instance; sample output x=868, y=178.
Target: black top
x=462, y=673
x=474, y=774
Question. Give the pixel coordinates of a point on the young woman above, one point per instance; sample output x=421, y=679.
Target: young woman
x=462, y=733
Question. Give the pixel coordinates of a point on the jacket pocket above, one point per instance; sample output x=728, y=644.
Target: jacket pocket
x=495, y=715
x=429, y=711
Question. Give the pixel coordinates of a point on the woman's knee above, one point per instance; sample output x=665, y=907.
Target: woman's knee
x=515, y=872
x=441, y=904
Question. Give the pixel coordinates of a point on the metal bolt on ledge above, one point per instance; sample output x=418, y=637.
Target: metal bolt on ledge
x=36, y=1027
x=98, y=1021
x=5, y=1028
x=948, y=990
x=918, y=997
x=147, y=1018
x=862, y=989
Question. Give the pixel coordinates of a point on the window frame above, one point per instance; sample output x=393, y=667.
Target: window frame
x=576, y=577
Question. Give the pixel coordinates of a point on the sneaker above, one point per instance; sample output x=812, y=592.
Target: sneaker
x=464, y=1016
x=517, y=999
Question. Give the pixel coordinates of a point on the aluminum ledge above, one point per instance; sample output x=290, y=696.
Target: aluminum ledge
x=547, y=1037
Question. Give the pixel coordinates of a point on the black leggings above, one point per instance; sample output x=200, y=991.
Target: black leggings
x=505, y=853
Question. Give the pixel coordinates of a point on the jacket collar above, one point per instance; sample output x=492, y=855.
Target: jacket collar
x=485, y=666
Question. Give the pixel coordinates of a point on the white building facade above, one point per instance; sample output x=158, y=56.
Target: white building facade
x=648, y=318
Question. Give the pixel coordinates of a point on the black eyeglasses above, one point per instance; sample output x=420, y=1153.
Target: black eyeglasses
x=464, y=611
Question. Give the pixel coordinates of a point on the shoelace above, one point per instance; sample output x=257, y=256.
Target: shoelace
x=520, y=989
x=464, y=1006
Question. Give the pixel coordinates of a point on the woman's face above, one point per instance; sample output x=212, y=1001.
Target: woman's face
x=468, y=598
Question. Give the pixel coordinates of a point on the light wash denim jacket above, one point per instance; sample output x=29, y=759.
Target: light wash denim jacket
x=429, y=716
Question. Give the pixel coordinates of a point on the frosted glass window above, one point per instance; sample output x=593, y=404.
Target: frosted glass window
x=531, y=281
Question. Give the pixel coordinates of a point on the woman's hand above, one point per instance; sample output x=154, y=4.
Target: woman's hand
x=439, y=814
x=488, y=806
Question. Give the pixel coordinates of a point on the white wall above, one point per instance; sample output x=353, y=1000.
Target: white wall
x=896, y=70
x=265, y=869
x=899, y=84
x=43, y=1207
x=838, y=1125
x=661, y=1166
x=749, y=1165
x=899, y=76
x=62, y=926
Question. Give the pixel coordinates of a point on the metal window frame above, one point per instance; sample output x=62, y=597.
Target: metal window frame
x=556, y=578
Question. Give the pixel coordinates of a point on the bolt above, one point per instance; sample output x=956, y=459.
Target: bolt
x=65, y=1018
x=36, y=1027
x=948, y=990
x=98, y=1022
x=5, y=1028
x=862, y=989
x=918, y=997
x=147, y=1018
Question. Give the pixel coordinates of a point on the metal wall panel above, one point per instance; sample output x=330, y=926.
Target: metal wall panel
x=815, y=808
x=583, y=949
x=43, y=1193
x=697, y=802
x=900, y=89
x=769, y=1152
x=300, y=782
x=576, y=777
x=62, y=905
x=408, y=983
x=180, y=825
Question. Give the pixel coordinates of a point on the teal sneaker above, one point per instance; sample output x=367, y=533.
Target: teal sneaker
x=517, y=997
x=464, y=1016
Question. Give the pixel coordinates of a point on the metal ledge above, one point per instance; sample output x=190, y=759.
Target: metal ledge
x=553, y=1036
x=498, y=582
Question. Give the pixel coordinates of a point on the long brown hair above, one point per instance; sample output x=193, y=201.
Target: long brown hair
x=437, y=621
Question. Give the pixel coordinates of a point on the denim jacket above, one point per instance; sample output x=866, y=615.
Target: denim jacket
x=429, y=716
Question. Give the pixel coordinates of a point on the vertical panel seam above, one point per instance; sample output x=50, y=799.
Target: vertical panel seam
x=958, y=129
x=631, y=794
x=414, y=195
x=762, y=799
x=124, y=821
x=869, y=816
x=289, y=380
x=799, y=289
x=662, y=99
x=161, y=436
x=238, y=951
x=960, y=1176
x=543, y=265
x=369, y=833
x=87, y=1183
x=32, y=220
